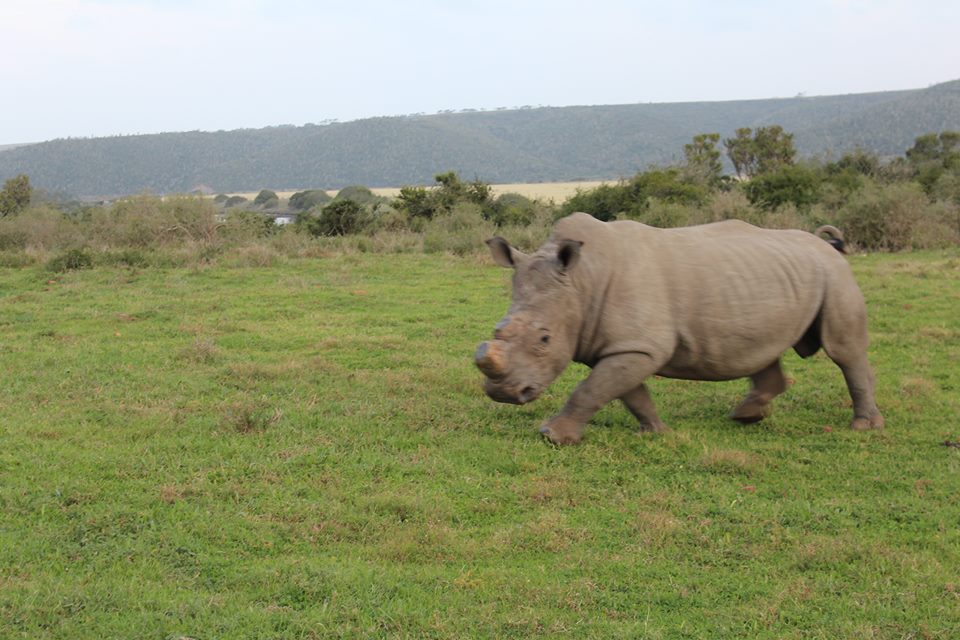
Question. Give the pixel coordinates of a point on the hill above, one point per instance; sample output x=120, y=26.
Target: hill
x=524, y=145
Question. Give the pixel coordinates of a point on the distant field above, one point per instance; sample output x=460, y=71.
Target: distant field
x=556, y=191
x=304, y=451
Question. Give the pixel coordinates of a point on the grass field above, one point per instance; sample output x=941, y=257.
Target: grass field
x=304, y=451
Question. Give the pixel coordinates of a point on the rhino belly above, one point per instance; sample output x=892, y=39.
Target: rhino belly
x=727, y=342
x=728, y=361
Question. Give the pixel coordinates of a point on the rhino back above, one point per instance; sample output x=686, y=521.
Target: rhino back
x=717, y=301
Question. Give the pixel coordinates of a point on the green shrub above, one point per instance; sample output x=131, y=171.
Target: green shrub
x=220, y=198
x=339, y=218
x=631, y=198
x=512, y=209
x=304, y=200
x=234, y=201
x=418, y=203
x=126, y=258
x=460, y=232
x=666, y=185
x=16, y=259
x=70, y=260
x=356, y=193
x=449, y=191
x=666, y=215
x=245, y=226
x=795, y=184
x=265, y=197
x=604, y=202
x=884, y=217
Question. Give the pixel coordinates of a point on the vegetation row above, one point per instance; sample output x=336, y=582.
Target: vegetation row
x=912, y=201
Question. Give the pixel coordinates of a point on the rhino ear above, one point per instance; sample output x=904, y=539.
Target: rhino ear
x=568, y=254
x=503, y=254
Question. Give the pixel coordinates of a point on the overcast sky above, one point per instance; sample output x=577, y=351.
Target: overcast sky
x=73, y=68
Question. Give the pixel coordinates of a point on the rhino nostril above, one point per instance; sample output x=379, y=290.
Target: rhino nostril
x=527, y=393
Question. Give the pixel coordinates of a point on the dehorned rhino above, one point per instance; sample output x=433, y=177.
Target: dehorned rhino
x=713, y=302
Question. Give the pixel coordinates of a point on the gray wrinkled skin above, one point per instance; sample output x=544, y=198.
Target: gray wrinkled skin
x=714, y=302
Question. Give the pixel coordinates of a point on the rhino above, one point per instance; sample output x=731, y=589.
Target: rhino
x=718, y=301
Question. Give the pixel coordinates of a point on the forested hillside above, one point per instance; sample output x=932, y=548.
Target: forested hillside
x=525, y=145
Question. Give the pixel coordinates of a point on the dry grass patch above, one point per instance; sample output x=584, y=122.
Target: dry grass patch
x=200, y=351
x=917, y=387
x=731, y=461
x=247, y=416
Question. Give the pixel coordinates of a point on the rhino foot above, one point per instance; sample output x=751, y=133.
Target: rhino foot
x=875, y=421
x=647, y=426
x=562, y=430
x=754, y=408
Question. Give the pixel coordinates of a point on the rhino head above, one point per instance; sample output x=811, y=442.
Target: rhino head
x=537, y=338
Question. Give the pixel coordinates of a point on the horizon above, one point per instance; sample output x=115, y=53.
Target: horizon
x=99, y=68
x=463, y=111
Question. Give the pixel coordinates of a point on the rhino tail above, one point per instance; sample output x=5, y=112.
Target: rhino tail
x=833, y=236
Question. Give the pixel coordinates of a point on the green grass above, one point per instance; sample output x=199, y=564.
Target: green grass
x=304, y=451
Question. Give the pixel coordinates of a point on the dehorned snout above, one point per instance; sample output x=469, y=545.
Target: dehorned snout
x=489, y=358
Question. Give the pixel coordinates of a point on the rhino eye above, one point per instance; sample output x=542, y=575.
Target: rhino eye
x=545, y=339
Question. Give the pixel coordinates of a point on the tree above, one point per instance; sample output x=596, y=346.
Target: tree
x=703, y=159
x=762, y=151
x=741, y=153
x=15, y=196
x=935, y=159
x=774, y=148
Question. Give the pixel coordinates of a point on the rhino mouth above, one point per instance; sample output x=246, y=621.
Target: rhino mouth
x=512, y=394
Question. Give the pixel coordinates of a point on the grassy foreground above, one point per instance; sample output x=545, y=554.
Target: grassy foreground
x=304, y=451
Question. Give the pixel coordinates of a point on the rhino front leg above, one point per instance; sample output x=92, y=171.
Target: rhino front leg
x=767, y=384
x=611, y=378
x=640, y=404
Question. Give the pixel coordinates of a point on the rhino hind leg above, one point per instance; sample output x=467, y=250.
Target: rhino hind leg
x=844, y=336
x=861, y=384
x=640, y=404
x=767, y=384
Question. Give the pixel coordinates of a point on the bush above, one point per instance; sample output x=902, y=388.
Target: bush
x=884, y=217
x=666, y=215
x=356, y=193
x=220, y=198
x=512, y=209
x=418, y=203
x=70, y=260
x=304, y=200
x=450, y=190
x=134, y=258
x=244, y=226
x=265, y=199
x=631, y=198
x=666, y=185
x=38, y=228
x=795, y=184
x=234, y=201
x=461, y=231
x=604, y=202
x=339, y=218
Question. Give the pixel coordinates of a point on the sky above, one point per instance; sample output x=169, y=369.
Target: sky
x=84, y=68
